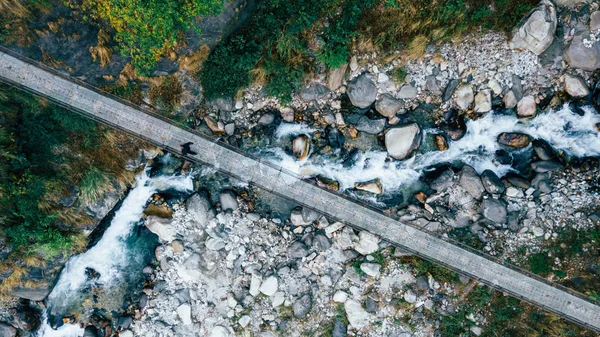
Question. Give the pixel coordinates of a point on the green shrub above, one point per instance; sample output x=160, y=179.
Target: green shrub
x=540, y=263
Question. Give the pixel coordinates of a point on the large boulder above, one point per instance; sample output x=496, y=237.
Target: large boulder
x=362, y=91
x=514, y=139
x=370, y=126
x=7, y=330
x=464, y=97
x=470, y=181
x=402, y=141
x=312, y=92
x=575, y=86
x=536, y=31
x=199, y=209
x=388, y=106
x=483, y=101
x=495, y=211
x=580, y=56
x=161, y=227
x=527, y=108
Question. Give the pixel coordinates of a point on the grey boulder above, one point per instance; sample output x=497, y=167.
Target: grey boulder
x=402, y=141
x=362, y=91
x=536, y=31
x=578, y=55
x=495, y=211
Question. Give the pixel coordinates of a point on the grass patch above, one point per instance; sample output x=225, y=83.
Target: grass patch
x=423, y=268
x=399, y=75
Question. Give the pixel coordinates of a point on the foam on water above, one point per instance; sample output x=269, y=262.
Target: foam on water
x=111, y=256
x=292, y=129
x=562, y=129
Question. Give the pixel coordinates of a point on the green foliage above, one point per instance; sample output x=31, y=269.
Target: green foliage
x=424, y=268
x=540, y=263
x=147, y=29
x=94, y=183
x=274, y=46
x=399, y=75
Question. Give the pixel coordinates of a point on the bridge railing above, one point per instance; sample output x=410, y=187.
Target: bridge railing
x=266, y=162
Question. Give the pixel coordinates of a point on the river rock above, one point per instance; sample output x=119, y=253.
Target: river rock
x=321, y=243
x=222, y=103
x=432, y=86
x=575, y=86
x=595, y=21
x=370, y=126
x=301, y=147
x=302, y=306
x=269, y=286
x=407, y=92
x=483, y=101
x=402, y=141
x=161, y=227
x=335, y=77
x=526, y=108
x=219, y=331
x=371, y=269
x=464, y=97
x=313, y=92
x=185, y=314
x=546, y=166
x=373, y=186
x=495, y=87
x=495, y=211
x=449, y=91
x=441, y=143
x=8, y=330
x=266, y=119
x=297, y=250
x=388, y=106
x=199, y=209
x=335, y=137
x=470, y=181
x=367, y=243
x=357, y=316
x=228, y=200
x=578, y=55
x=536, y=31
x=89, y=331
x=542, y=149
x=362, y=91
x=410, y=296
x=510, y=100
x=491, y=182
x=126, y=333
x=514, y=139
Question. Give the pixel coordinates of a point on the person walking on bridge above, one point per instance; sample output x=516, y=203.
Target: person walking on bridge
x=185, y=149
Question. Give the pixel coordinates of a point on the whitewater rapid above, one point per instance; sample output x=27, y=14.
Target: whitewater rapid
x=111, y=257
x=563, y=129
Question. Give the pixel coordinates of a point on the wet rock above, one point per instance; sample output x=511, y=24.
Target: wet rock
x=542, y=149
x=8, y=330
x=455, y=128
x=407, y=92
x=373, y=186
x=362, y=91
x=327, y=183
x=510, y=100
x=335, y=137
x=269, y=286
x=441, y=143
x=491, y=182
x=214, y=126
x=313, y=92
x=302, y=306
x=335, y=77
x=370, y=126
x=546, y=166
x=199, y=209
x=483, y=101
x=449, y=91
x=443, y=181
x=575, y=86
x=536, y=31
x=579, y=56
x=514, y=139
x=297, y=250
x=228, y=200
x=526, y=108
x=301, y=147
x=388, y=106
x=28, y=319
x=495, y=211
x=401, y=142
x=464, y=97
x=470, y=181
x=125, y=321
x=357, y=316
x=266, y=119
x=367, y=244
x=89, y=331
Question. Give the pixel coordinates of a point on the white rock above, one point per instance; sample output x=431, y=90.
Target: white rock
x=371, y=269
x=537, y=231
x=537, y=32
x=367, y=243
x=160, y=227
x=185, y=314
x=402, y=141
x=255, y=282
x=495, y=86
x=483, y=101
x=527, y=108
x=126, y=333
x=269, y=286
x=357, y=316
x=510, y=100
x=476, y=330
x=244, y=321
x=277, y=299
x=410, y=296
x=219, y=331
x=407, y=92
x=464, y=97
x=514, y=192
x=340, y=296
